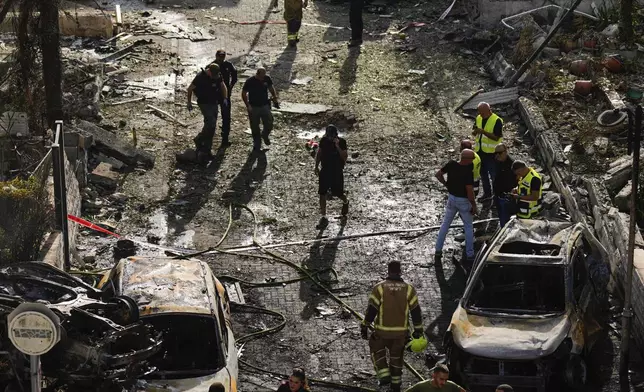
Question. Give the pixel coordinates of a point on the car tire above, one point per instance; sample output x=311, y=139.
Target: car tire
x=576, y=373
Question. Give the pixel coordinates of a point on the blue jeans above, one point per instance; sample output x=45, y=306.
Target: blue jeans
x=505, y=209
x=488, y=173
x=462, y=206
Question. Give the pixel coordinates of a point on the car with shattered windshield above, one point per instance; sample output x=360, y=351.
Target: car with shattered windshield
x=532, y=309
x=184, y=301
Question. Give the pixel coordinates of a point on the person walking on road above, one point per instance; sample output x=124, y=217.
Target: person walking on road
x=356, y=23
x=255, y=97
x=460, y=185
x=297, y=382
x=293, y=10
x=438, y=383
x=210, y=90
x=488, y=132
x=467, y=145
x=504, y=182
x=390, y=304
x=332, y=154
x=229, y=76
x=529, y=191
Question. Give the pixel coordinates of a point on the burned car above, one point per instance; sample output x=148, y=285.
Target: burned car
x=186, y=303
x=532, y=309
x=103, y=344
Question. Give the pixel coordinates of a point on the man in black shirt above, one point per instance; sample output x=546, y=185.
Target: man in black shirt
x=210, y=90
x=504, y=182
x=459, y=183
x=255, y=96
x=229, y=75
x=332, y=154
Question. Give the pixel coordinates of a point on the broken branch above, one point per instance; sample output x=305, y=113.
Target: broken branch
x=167, y=115
x=474, y=94
x=128, y=101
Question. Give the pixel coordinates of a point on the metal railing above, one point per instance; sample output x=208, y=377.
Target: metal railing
x=60, y=189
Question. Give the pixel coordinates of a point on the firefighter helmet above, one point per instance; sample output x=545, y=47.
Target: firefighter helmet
x=418, y=345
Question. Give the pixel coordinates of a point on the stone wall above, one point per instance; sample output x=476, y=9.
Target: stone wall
x=52, y=251
x=587, y=201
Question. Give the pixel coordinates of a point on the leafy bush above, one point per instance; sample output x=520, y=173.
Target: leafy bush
x=27, y=215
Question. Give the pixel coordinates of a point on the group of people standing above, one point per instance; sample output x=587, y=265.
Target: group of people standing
x=514, y=187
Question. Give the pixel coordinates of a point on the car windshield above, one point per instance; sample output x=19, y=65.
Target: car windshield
x=191, y=346
x=513, y=288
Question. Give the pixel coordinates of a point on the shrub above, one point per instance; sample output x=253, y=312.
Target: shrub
x=27, y=216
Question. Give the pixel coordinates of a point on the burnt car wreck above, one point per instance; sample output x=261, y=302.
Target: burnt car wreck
x=103, y=345
x=532, y=308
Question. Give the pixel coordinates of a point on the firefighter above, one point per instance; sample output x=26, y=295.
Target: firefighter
x=293, y=17
x=390, y=304
x=528, y=194
x=488, y=132
x=476, y=170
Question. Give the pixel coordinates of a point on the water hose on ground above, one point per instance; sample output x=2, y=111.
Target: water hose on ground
x=313, y=278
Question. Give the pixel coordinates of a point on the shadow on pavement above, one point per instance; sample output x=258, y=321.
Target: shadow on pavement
x=280, y=72
x=450, y=292
x=199, y=183
x=317, y=261
x=244, y=185
x=349, y=70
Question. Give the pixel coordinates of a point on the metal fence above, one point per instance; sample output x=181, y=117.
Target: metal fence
x=60, y=189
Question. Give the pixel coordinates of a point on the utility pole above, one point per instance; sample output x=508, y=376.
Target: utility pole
x=51, y=60
x=634, y=141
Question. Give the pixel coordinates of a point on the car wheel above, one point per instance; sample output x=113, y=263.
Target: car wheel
x=576, y=373
x=128, y=310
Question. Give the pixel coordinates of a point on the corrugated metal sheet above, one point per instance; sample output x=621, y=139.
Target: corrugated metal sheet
x=166, y=285
x=505, y=95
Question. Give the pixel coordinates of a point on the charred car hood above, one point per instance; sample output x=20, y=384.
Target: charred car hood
x=507, y=338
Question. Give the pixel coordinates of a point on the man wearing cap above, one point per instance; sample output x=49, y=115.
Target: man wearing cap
x=229, y=76
x=210, y=90
x=332, y=154
x=460, y=186
x=488, y=132
x=391, y=303
x=255, y=96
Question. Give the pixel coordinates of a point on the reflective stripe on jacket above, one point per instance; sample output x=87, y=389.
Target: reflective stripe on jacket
x=484, y=143
x=528, y=209
x=394, y=299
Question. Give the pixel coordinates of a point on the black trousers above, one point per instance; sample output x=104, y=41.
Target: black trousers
x=293, y=27
x=355, y=19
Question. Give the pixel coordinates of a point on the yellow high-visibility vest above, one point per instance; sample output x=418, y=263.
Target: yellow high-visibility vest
x=484, y=143
x=528, y=209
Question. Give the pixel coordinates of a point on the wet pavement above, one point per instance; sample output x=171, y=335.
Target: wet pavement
x=405, y=130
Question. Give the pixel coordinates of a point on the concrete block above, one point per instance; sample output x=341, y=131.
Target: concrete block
x=623, y=198
x=532, y=116
x=597, y=193
x=104, y=176
x=52, y=250
x=115, y=163
x=617, y=176
x=500, y=69
x=638, y=260
x=111, y=145
x=77, y=23
x=72, y=154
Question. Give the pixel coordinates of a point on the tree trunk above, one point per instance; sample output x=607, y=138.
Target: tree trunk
x=51, y=60
x=626, y=20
